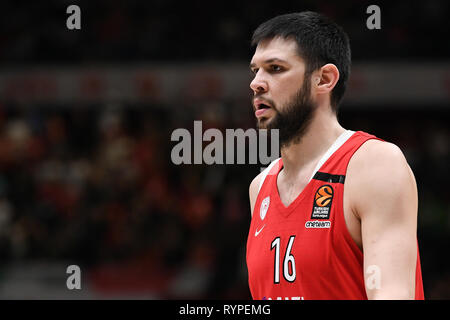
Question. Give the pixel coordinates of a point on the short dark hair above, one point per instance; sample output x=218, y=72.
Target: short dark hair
x=319, y=41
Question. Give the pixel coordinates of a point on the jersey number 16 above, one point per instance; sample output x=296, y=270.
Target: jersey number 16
x=289, y=273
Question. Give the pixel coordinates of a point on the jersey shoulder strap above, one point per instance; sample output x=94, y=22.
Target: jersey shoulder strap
x=266, y=172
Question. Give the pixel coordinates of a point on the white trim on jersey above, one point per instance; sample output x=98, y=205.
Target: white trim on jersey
x=336, y=145
x=265, y=173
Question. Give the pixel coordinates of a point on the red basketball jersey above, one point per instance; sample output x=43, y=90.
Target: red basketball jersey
x=305, y=251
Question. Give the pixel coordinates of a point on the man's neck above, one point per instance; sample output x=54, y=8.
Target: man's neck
x=320, y=135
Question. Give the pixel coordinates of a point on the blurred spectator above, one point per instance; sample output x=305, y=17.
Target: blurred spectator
x=111, y=200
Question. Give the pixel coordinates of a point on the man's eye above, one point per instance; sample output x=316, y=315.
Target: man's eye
x=254, y=71
x=275, y=68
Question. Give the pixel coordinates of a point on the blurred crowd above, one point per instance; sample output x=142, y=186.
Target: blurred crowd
x=169, y=30
x=94, y=185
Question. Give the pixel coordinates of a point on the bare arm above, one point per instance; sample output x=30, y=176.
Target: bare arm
x=384, y=197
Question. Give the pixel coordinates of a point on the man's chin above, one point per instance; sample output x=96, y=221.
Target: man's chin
x=265, y=123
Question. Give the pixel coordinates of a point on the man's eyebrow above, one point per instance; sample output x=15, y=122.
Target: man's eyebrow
x=252, y=65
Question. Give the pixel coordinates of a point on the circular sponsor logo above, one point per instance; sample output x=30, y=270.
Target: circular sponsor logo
x=264, y=207
x=324, y=195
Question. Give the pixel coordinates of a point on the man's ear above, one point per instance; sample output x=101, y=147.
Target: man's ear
x=326, y=78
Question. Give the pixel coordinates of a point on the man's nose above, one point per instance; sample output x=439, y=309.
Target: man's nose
x=258, y=84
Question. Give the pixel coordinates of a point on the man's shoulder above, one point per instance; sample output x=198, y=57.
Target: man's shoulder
x=375, y=151
x=253, y=190
x=378, y=172
x=256, y=183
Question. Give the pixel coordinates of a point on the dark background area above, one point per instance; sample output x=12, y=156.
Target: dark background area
x=92, y=183
x=179, y=31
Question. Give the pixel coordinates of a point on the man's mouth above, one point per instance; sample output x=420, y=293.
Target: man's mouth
x=261, y=107
x=261, y=104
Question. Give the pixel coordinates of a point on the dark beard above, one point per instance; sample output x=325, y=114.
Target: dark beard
x=295, y=118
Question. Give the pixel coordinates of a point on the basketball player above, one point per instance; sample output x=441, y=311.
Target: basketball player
x=336, y=216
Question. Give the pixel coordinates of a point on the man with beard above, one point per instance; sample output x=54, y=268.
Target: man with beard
x=311, y=238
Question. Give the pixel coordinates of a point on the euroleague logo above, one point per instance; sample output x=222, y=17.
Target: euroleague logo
x=323, y=196
x=322, y=202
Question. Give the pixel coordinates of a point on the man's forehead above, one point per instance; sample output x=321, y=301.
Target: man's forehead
x=276, y=48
